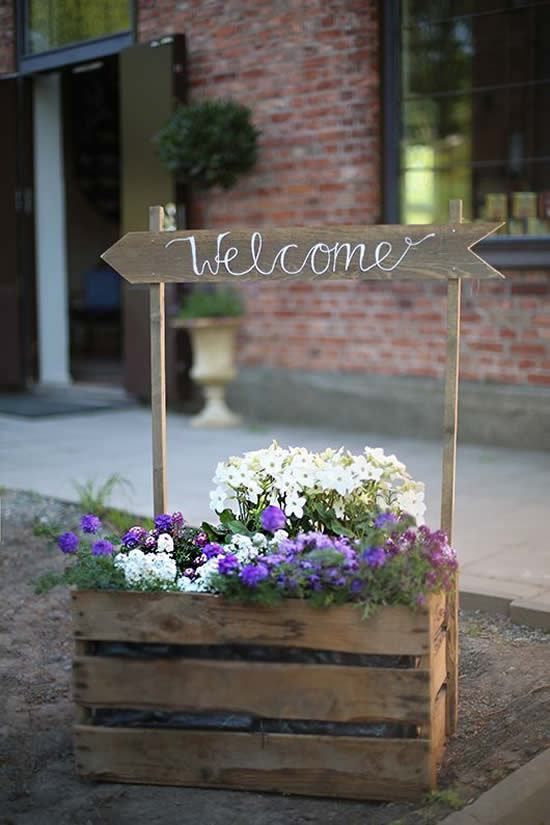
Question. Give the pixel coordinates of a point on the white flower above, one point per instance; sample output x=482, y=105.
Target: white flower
x=279, y=535
x=144, y=568
x=292, y=477
x=218, y=499
x=338, y=478
x=294, y=506
x=338, y=508
x=185, y=584
x=244, y=548
x=259, y=540
x=165, y=544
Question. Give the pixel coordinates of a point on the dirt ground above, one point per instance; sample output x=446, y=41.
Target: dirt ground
x=504, y=715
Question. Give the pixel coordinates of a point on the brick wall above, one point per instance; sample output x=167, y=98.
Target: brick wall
x=7, y=37
x=310, y=72
x=400, y=329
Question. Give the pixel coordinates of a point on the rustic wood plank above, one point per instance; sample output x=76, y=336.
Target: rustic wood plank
x=184, y=618
x=347, y=767
x=438, y=613
x=269, y=690
x=450, y=429
x=82, y=715
x=158, y=378
x=438, y=736
x=374, y=252
x=438, y=668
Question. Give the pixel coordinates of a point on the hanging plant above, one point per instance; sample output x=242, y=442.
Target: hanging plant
x=209, y=143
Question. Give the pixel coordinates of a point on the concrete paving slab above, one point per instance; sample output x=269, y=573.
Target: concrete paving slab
x=534, y=612
x=492, y=594
x=523, y=798
x=502, y=494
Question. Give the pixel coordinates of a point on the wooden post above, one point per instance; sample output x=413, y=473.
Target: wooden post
x=158, y=378
x=450, y=422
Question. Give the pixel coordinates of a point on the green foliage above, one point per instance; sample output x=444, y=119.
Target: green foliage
x=209, y=143
x=212, y=302
x=48, y=530
x=86, y=572
x=448, y=797
x=186, y=550
x=121, y=521
x=94, y=498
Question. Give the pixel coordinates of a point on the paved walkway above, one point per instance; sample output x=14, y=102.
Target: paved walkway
x=503, y=496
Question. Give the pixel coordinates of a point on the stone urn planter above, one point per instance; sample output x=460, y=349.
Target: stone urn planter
x=214, y=343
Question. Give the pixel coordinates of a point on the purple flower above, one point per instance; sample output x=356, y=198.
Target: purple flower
x=252, y=574
x=201, y=539
x=374, y=556
x=227, y=564
x=273, y=518
x=68, y=542
x=134, y=536
x=150, y=542
x=178, y=520
x=102, y=548
x=385, y=518
x=212, y=549
x=90, y=523
x=163, y=523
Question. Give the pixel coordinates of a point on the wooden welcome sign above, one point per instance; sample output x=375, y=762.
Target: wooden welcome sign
x=377, y=252
x=326, y=253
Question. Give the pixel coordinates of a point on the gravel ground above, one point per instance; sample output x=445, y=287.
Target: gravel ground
x=504, y=714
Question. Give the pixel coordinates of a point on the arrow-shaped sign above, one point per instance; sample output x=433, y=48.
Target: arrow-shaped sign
x=374, y=252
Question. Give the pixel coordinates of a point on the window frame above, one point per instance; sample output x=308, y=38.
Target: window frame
x=518, y=251
x=80, y=52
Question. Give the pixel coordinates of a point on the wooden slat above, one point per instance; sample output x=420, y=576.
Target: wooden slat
x=158, y=378
x=269, y=690
x=438, y=613
x=349, y=767
x=303, y=254
x=450, y=429
x=182, y=618
x=438, y=670
x=82, y=715
x=438, y=737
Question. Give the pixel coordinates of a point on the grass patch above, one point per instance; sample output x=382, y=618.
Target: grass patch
x=94, y=497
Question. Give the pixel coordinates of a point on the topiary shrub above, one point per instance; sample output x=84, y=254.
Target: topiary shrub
x=209, y=143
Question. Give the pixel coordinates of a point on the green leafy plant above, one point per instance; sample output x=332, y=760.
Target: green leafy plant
x=120, y=521
x=209, y=143
x=212, y=302
x=89, y=573
x=447, y=797
x=94, y=498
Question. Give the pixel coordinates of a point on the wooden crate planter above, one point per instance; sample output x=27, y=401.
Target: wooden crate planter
x=175, y=679
x=299, y=721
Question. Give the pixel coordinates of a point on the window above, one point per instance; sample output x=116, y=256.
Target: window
x=475, y=112
x=56, y=32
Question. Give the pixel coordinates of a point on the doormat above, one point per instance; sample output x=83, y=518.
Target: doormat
x=61, y=403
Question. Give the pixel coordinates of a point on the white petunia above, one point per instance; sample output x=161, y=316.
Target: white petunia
x=165, y=544
x=294, y=506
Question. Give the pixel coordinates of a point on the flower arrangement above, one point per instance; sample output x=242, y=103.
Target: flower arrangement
x=333, y=491
x=329, y=527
